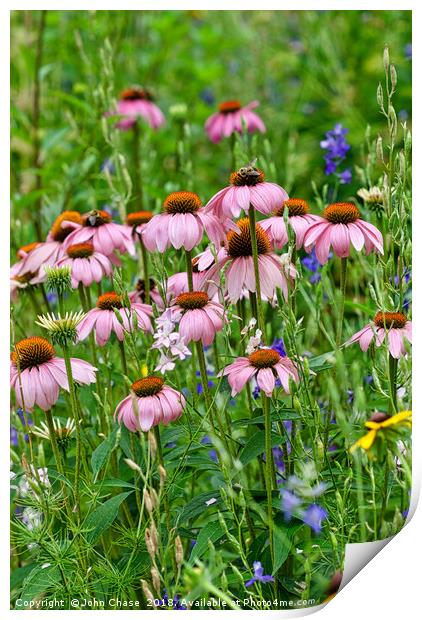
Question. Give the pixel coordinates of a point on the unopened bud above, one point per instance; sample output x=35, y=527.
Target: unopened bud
x=154, y=534
x=132, y=465
x=178, y=551
x=380, y=96
x=393, y=76
x=163, y=474
x=386, y=58
x=154, y=498
x=151, y=547
x=148, y=594
x=152, y=444
x=148, y=503
x=379, y=149
x=156, y=582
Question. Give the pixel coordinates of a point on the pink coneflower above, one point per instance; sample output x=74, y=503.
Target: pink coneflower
x=42, y=373
x=200, y=317
x=341, y=226
x=266, y=365
x=106, y=236
x=182, y=224
x=393, y=325
x=136, y=222
x=87, y=265
x=138, y=295
x=233, y=117
x=150, y=403
x=299, y=219
x=135, y=103
x=247, y=187
x=103, y=319
x=49, y=252
x=19, y=278
x=274, y=271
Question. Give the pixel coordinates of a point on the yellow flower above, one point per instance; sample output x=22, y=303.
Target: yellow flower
x=144, y=370
x=404, y=418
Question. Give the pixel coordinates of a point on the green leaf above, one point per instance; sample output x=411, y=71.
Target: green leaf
x=283, y=542
x=102, y=517
x=18, y=575
x=38, y=582
x=256, y=446
x=198, y=505
x=213, y=532
x=103, y=451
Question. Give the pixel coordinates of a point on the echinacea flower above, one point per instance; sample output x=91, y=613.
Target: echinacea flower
x=274, y=271
x=265, y=365
x=182, y=224
x=106, y=236
x=247, y=188
x=41, y=373
x=103, y=319
x=138, y=295
x=136, y=222
x=200, y=317
x=231, y=117
x=135, y=103
x=23, y=281
x=151, y=402
x=258, y=575
x=87, y=265
x=391, y=325
x=49, y=252
x=382, y=424
x=340, y=226
x=299, y=219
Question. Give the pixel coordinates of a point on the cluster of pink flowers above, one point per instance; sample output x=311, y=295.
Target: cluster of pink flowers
x=192, y=305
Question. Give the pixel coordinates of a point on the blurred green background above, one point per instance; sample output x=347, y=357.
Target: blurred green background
x=309, y=70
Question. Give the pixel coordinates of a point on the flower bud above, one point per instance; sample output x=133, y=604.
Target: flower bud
x=379, y=149
x=155, y=576
x=148, y=503
x=148, y=594
x=178, y=551
x=393, y=76
x=152, y=444
x=386, y=58
x=151, y=547
x=163, y=475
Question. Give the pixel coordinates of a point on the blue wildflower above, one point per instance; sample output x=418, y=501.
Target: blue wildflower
x=13, y=436
x=289, y=503
x=313, y=516
x=258, y=575
x=207, y=96
x=278, y=345
x=171, y=603
x=336, y=147
x=408, y=51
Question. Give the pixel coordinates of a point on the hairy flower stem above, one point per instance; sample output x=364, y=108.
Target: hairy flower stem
x=392, y=371
x=123, y=356
x=343, y=279
x=259, y=313
x=188, y=256
x=137, y=177
x=75, y=412
x=161, y=462
x=269, y=470
x=145, y=270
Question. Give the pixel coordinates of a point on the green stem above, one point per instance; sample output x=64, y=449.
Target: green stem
x=259, y=314
x=188, y=255
x=269, y=470
x=233, y=151
x=392, y=370
x=53, y=440
x=123, y=356
x=145, y=270
x=137, y=179
x=44, y=295
x=82, y=297
x=384, y=491
x=343, y=279
x=75, y=413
